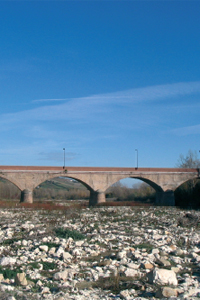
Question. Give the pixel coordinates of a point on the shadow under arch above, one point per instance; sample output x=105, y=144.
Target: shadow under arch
x=187, y=194
x=9, y=190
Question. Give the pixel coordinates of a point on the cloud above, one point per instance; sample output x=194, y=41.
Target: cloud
x=150, y=93
x=57, y=156
x=84, y=124
x=49, y=100
x=132, y=108
x=186, y=130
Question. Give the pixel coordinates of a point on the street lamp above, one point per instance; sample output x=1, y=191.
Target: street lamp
x=137, y=158
x=64, y=158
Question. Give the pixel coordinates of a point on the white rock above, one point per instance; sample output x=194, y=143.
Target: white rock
x=133, y=266
x=20, y=279
x=45, y=290
x=44, y=248
x=60, y=251
x=24, y=243
x=64, y=275
x=130, y=272
x=6, y=287
x=52, y=250
x=79, y=243
x=66, y=256
x=7, y=261
x=162, y=277
x=125, y=295
x=1, y=277
x=121, y=255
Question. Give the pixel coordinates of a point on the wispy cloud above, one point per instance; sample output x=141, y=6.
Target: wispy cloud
x=80, y=108
x=57, y=156
x=88, y=122
x=149, y=93
x=49, y=100
x=186, y=130
x=132, y=108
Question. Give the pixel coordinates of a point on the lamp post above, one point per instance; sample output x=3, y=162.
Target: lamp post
x=137, y=158
x=64, y=158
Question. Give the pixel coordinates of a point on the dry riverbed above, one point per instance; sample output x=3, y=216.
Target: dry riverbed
x=100, y=253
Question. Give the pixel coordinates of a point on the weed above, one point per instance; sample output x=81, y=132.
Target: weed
x=146, y=246
x=48, y=265
x=9, y=273
x=9, y=242
x=51, y=245
x=66, y=233
x=34, y=265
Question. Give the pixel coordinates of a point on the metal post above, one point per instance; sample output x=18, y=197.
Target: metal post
x=64, y=158
x=137, y=158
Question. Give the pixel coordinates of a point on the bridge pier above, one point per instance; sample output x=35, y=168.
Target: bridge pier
x=26, y=196
x=97, y=197
x=165, y=198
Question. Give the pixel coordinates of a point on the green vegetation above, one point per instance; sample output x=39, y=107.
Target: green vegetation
x=66, y=233
x=9, y=273
x=51, y=245
x=138, y=193
x=9, y=242
x=46, y=265
x=114, y=283
x=191, y=160
x=61, y=188
x=146, y=246
x=188, y=194
x=8, y=190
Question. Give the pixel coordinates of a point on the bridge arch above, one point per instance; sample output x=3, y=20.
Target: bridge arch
x=154, y=185
x=116, y=179
x=130, y=193
x=12, y=180
x=8, y=190
x=60, y=187
x=65, y=176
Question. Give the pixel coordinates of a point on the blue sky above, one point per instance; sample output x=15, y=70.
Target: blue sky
x=100, y=79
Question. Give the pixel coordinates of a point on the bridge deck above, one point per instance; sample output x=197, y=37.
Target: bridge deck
x=97, y=169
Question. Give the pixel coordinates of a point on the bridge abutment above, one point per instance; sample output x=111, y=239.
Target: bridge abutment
x=26, y=196
x=165, y=198
x=97, y=197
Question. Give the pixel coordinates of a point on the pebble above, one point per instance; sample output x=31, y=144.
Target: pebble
x=144, y=246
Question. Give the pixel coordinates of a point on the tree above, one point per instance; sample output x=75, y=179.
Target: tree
x=191, y=160
x=187, y=195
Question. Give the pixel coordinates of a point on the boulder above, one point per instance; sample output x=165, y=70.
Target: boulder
x=162, y=277
x=166, y=292
x=7, y=261
x=20, y=279
x=64, y=275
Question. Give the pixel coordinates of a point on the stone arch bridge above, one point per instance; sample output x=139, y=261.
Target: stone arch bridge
x=99, y=179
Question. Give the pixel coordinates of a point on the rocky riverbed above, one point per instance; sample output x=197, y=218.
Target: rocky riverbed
x=100, y=253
